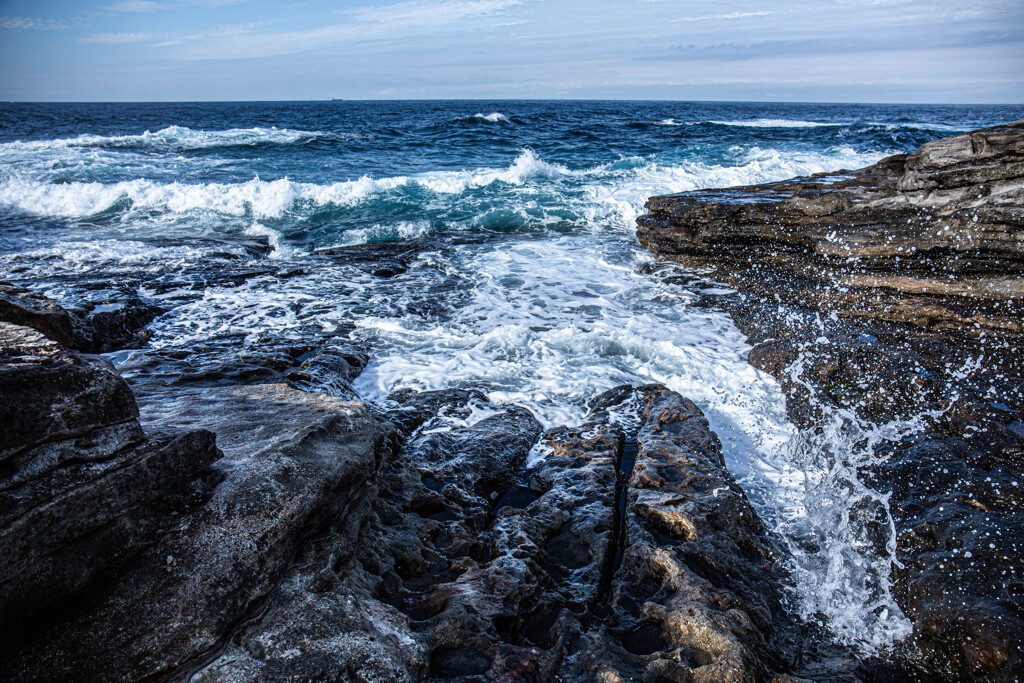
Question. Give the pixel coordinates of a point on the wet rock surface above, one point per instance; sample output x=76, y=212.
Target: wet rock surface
x=240, y=528
x=113, y=325
x=550, y=572
x=931, y=239
x=22, y=306
x=82, y=488
x=136, y=541
x=894, y=293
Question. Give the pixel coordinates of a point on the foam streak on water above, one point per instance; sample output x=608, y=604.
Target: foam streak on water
x=533, y=291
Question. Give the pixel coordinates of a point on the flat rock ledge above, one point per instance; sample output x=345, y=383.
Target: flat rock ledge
x=213, y=518
x=895, y=292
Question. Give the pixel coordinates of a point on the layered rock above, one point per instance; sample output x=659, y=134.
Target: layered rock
x=895, y=292
x=82, y=490
x=130, y=545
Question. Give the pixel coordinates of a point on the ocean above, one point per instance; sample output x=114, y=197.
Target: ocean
x=528, y=282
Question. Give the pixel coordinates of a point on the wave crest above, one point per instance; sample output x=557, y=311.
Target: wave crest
x=172, y=137
x=493, y=117
x=258, y=198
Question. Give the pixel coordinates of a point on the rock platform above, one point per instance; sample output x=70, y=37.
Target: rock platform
x=896, y=292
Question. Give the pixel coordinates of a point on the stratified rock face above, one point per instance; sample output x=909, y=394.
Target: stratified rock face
x=934, y=239
x=52, y=395
x=22, y=306
x=896, y=292
x=293, y=463
x=81, y=489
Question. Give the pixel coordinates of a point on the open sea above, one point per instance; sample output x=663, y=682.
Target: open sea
x=532, y=288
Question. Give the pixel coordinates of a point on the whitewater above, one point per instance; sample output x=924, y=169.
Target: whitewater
x=528, y=282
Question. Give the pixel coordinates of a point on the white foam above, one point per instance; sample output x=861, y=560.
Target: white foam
x=384, y=232
x=257, y=198
x=775, y=123
x=550, y=323
x=172, y=137
x=621, y=193
x=493, y=117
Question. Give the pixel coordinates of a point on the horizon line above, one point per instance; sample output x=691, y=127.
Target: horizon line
x=515, y=99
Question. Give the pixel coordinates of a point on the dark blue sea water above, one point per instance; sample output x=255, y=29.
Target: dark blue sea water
x=532, y=287
x=325, y=173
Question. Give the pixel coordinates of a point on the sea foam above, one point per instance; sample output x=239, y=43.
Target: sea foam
x=171, y=137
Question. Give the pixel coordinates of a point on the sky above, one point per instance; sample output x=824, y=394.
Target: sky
x=941, y=51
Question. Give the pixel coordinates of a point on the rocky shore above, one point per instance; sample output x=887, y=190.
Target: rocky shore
x=235, y=512
x=223, y=524
x=896, y=292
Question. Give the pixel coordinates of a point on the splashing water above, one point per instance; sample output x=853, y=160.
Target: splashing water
x=838, y=530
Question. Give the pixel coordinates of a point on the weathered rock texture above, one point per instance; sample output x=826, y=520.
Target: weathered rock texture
x=896, y=291
x=698, y=594
x=82, y=490
x=934, y=239
x=128, y=553
x=578, y=569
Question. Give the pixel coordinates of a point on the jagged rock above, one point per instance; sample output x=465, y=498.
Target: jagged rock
x=453, y=583
x=486, y=456
x=895, y=292
x=416, y=407
x=698, y=595
x=21, y=306
x=111, y=326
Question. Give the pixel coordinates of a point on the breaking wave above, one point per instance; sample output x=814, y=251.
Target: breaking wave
x=616, y=188
x=170, y=138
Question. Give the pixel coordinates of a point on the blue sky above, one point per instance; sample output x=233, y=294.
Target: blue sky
x=965, y=51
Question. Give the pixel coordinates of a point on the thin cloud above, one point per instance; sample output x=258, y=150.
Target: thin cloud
x=724, y=17
x=429, y=12
x=403, y=19
x=136, y=6
x=115, y=38
x=31, y=24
